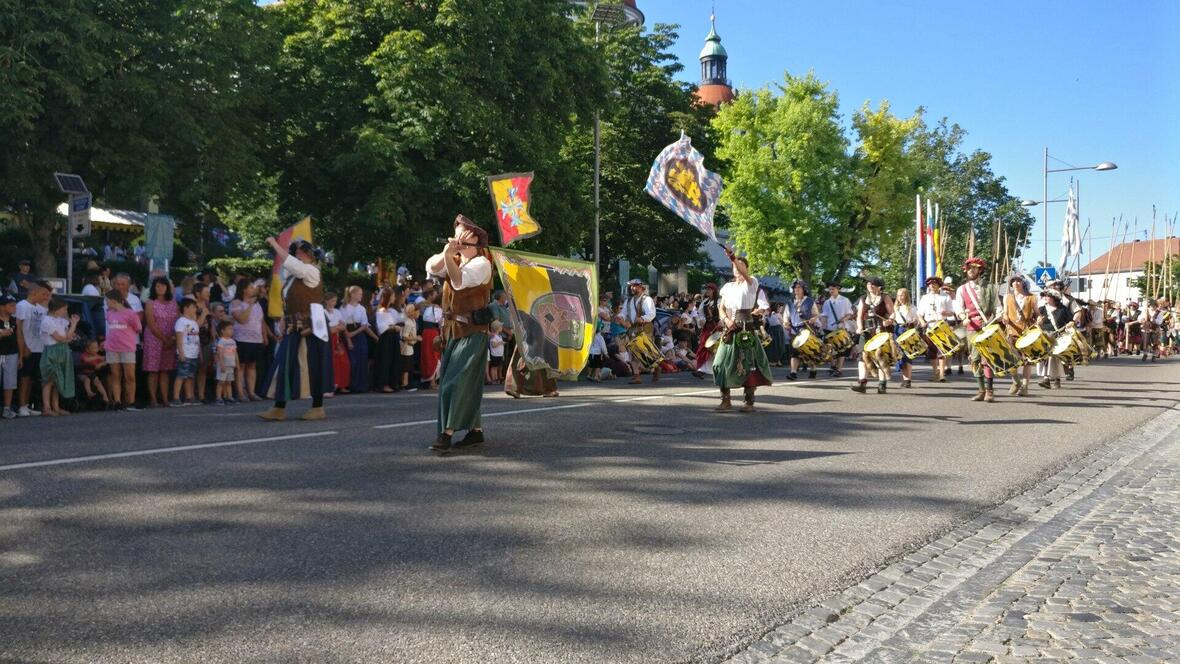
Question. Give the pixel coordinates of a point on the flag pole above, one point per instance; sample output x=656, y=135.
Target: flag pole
x=1151, y=261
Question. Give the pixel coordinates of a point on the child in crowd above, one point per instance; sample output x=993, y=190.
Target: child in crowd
x=9, y=353
x=57, y=363
x=92, y=369
x=682, y=357
x=123, y=329
x=225, y=359
x=495, y=352
x=597, y=357
x=410, y=338
x=188, y=353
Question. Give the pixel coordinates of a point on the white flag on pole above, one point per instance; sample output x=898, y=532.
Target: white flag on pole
x=1071, y=237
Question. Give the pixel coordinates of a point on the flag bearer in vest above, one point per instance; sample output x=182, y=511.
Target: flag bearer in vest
x=639, y=316
x=466, y=271
x=975, y=305
x=303, y=361
x=740, y=360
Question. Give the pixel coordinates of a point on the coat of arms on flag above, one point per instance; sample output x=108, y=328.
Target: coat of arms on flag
x=300, y=231
x=553, y=308
x=510, y=197
x=680, y=181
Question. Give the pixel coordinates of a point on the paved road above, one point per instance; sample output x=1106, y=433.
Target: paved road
x=617, y=523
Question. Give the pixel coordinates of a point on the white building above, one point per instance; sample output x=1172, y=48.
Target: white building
x=1112, y=275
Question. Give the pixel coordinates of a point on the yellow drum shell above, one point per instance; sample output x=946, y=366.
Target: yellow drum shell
x=912, y=344
x=944, y=338
x=839, y=340
x=1034, y=345
x=996, y=351
x=881, y=350
x=808, y=347
x=1069, y=347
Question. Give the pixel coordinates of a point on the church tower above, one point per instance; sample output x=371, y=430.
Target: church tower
x=714, y=88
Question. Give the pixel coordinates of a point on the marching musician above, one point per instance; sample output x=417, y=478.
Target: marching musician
x=1054, y=317
x=1020, y=314
x=935, y=306
x=305, y=328
x=1151, y=322
x=1078, y=312
x=707, y=318
x=804, y=314
x=466, y=270
x=740, y=360
x=837, y=313
x=973, y=307
x=960, y=356
x=905, y=317
x=874, y=313
x=639, y=315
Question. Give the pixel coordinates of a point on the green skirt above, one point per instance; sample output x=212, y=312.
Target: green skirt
x=57, y=366
x=460, y=383
x=741, y=363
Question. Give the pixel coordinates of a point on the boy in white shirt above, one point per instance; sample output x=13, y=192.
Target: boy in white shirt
x=495, y=351
x=188, y=351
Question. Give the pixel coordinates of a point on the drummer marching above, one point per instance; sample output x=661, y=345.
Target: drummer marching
x=934, y=309
x=874, y=315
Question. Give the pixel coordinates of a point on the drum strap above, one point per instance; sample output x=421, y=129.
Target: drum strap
x=835, y=321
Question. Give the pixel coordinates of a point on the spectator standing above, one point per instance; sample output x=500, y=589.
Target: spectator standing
x=226, y=359
x=122, y=284
x=495, y=352
x=57, y=363
x=431, y=323
x=339, y=344
x=250, y=334
x=123, y=329
x=188, y=353
x=159, y=341
x=358, y=331
x=92, y=281
x=31, y=312
x=389, y=319
x=409, y=338
x=9, y=352
x=19, y=286
x=207, y=324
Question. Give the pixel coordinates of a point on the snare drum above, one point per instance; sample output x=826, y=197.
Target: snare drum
x=995, y=349
x=1034, y=345
x=880, y=351
x=912, y=344
x=1069, y=346
x=839, y=340
x=943, y=337
x=808, y=347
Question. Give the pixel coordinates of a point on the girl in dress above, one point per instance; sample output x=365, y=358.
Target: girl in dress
x=57, y=363
x=359, y=333
x=159, y=341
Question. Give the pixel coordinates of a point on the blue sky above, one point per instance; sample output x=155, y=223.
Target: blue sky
x=1092, y=81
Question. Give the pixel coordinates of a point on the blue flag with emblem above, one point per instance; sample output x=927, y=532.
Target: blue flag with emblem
x=679, y=181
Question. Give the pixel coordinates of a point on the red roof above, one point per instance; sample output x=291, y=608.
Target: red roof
x=714, y=94
x=1130, y=256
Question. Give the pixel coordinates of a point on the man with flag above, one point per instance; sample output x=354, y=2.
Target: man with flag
x=303, y=362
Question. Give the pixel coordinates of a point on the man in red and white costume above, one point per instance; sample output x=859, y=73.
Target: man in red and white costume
x=974, y=310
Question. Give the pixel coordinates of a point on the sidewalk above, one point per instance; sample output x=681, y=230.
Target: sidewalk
x=1083, y=567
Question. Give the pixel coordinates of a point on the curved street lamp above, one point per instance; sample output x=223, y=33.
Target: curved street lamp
x=1028, y=202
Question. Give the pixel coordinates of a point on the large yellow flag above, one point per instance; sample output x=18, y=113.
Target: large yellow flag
x=300, y=231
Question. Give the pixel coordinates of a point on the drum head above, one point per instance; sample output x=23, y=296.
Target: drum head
x=879, y=339
x=801, y=339
x=1030, y=337
x=1062, y=344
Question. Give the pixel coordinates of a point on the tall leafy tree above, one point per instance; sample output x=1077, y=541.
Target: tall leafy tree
x=140, y=97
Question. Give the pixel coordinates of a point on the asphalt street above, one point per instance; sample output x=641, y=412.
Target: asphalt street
x=616, y=523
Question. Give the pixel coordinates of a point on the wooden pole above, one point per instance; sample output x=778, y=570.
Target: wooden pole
x=1151, y=260
x=1119, y=261
x=1114, y=229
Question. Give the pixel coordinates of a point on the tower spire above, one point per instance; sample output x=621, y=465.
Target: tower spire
x=714, y=87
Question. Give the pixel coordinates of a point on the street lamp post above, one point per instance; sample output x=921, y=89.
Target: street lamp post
x=1104, y=166
x=612, y=16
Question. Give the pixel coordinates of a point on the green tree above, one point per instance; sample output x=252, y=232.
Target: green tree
x=141, y=97
x=399, y=111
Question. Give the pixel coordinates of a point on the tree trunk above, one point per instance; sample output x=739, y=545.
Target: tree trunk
x=42, y=234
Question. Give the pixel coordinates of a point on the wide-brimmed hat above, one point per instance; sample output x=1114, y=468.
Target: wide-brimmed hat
x=974, y=261
x=469, y=225
x=876, y=281
x=637, y=282
x=833, y=284
x=933, y=280
x=1053, y=293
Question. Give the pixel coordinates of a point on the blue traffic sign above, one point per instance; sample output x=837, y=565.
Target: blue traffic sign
x=1043, y=275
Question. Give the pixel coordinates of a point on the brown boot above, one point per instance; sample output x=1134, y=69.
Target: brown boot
x=748, y=407
x=989, y=396
x=274, y=415
x=314, y=414
x=979, y=396
x=725, y=405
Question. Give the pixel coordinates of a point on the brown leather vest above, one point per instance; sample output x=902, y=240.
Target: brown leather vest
x=462, y=303
x=300, y=297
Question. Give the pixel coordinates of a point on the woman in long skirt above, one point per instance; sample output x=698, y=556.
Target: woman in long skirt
x=429, y=355
x=776, y=352
x=341, y=364
x=358, y=332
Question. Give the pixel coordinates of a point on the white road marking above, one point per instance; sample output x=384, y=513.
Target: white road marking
x=163, y=450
